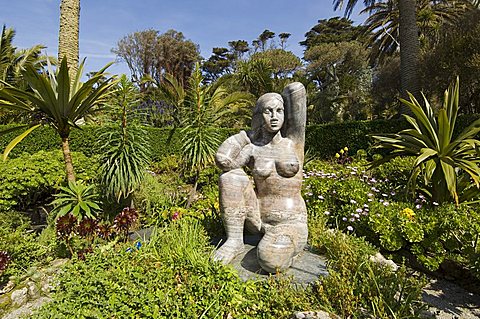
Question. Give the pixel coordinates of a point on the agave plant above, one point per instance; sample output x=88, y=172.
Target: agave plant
x=77, y=199
x=445, y=161
x=55, y=100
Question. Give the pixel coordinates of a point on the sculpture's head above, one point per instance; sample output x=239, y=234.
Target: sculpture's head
x=269, y=113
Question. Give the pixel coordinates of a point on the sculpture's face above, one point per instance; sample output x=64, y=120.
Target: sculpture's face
x=273, y=115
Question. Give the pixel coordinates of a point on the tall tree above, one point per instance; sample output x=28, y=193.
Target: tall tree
x=408, y=39
x=151, y=55
x=220, y=62
x=264, y=37
x=68, y=34
x=56, y=100
x=283, y=39
x=239, y=48
x=383, y=23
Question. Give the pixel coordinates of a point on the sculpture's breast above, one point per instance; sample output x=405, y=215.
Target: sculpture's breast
x=279, y=159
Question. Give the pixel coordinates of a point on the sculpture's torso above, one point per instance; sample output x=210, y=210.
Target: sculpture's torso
x=278, y=180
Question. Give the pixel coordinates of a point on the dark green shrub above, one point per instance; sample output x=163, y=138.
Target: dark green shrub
x=322, y=141
x=31, y=179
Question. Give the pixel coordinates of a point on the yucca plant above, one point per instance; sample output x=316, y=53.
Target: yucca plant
x=443, y=160
x=77, y=199
x=55, y=100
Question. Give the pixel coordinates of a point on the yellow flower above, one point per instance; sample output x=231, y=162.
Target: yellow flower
x=345, y=149
x=337, y=155
x=408, y=213
x=342, y=151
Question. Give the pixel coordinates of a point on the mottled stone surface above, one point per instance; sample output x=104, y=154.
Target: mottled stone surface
x=260, y=187
x=306, y=267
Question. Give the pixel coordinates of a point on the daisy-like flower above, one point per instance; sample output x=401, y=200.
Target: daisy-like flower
x=409, y=213
x=349, y=228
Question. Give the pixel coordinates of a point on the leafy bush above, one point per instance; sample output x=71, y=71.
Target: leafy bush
x=359, y=288
x=170, y=276
x=31, y=179
x=24, y=247
x=156, y=197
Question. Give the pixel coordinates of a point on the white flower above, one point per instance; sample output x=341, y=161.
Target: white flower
x=369, y=194
x=327, y=212
x=321, y=197
x=435, y=203
x=386, y=203
x=349, y=228
x=418, y=206
x=352, y=201
x=359, y=210
x=357, y=216
x=344, y=219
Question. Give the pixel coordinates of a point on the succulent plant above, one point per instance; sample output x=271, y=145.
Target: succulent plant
x=125, y=220
x=65, y=226
x=87, y=227
x=4, y=261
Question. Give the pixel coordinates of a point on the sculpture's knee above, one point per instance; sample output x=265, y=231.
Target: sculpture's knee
x=280, y=244
x=236, y=178
x=275, y=252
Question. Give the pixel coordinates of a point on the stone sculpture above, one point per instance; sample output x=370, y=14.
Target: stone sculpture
x=273, y=153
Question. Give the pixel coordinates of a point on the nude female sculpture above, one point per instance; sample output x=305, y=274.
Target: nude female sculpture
x=272, y=204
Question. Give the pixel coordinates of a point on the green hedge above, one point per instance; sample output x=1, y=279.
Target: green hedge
x=321, y=140
x=86, y=140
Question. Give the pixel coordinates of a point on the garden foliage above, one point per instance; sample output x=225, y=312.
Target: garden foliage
x=30, y=180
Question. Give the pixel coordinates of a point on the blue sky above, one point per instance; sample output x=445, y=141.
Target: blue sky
x=206, y=22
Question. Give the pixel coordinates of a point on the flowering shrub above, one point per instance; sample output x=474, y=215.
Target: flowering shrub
x=370, y=205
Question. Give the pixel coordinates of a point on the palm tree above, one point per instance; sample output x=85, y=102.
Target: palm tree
x=68, y=34
x=408, y=39
x=383, y=23
x=55, y=100
x=13, y=60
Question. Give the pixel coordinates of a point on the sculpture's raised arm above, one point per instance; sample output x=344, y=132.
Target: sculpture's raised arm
x=295, y=98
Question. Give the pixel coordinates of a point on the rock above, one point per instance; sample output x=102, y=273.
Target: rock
x=19, y=297
x=33, y=290
x=314, y=315
x=7, y=288
x=379, y=259
x=27, y=309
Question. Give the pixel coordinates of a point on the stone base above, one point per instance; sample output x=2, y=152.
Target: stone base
x=306, y=268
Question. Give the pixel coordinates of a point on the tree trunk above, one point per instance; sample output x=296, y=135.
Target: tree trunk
x=68, y=34
x=67, y=156
x=409, y=48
